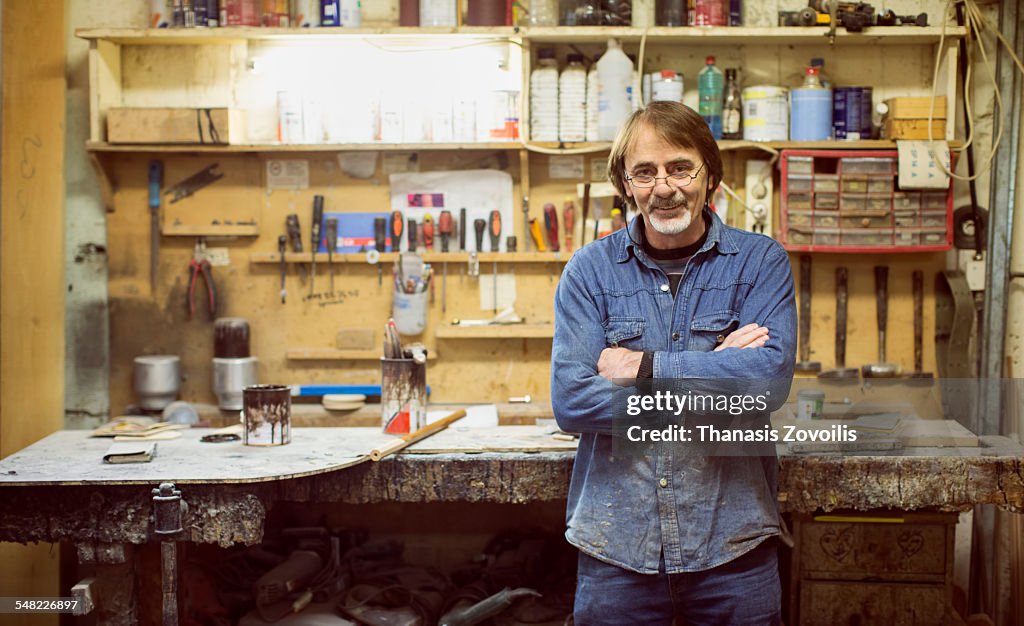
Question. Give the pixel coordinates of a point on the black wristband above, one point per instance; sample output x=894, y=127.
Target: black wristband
x=646, y=366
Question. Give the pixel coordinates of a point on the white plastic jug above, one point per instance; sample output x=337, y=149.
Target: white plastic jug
x=615, y=80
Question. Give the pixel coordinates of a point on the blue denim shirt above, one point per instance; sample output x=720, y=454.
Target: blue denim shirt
x=694, y=512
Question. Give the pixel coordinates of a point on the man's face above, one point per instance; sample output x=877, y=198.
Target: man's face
x=670, y=206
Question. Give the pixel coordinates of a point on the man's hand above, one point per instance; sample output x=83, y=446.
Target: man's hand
x=619, y=363
x=750, y=336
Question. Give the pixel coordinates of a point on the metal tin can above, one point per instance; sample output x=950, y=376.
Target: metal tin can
x=267, y=415
x=765, y=113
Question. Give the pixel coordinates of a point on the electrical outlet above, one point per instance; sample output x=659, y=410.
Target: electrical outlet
x=758, y=214
x=218, y=257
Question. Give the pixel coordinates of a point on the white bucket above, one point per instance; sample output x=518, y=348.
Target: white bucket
x=765, y=113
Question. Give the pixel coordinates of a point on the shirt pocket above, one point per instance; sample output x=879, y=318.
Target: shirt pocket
x=711, y=329
x=624, y=332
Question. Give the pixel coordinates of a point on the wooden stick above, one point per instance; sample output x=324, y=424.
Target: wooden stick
x=411, y=438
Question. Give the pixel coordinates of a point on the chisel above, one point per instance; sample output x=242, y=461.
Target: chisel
x=536, y=235
x=156, y=179
x=314, y=236
x=331, y=236
x=295, y=239
x=397, y=225
x=551, y=225
x=444, y=229
x=411, y=227
x=282, y=246
x=462, y=229
x=569, y=217
x=495, y=231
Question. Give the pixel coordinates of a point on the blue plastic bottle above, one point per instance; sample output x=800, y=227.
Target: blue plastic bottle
x=710, y=86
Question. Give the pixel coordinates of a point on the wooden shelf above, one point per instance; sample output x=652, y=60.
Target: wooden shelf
x=333, y=354
x=496, y=331
x=211, y=230
x=429, y=257
x=101, y=147
x=781, y=35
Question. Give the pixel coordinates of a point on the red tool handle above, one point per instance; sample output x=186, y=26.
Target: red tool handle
x=444, y=228
x=397, y=226
x=551, y=225
x=569, y=215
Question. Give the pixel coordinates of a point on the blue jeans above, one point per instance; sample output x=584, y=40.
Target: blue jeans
x=743, y=592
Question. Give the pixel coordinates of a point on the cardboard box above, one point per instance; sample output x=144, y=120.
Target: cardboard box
x=914, y=129
x=216, y=126
x=908, y=108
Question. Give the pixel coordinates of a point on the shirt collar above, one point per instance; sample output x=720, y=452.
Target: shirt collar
x=718, y=235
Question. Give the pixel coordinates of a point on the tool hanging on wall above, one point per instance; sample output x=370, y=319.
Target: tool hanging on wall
x=536, y=235
x=412, y=228
x=444, y=229
x=881, y=369
x=194, y=183
x=156, y=180
x=428, y=232
x=918, y=287
x=805, y=364
x=397, y=226
x=840, y=370
x=462, y=229
x=569, y=217
x=295, y=239
x=380, y=231
x=282, y=246
x=331, y=237
x=314, y=237
x=197, y=265
x=551, y=225
x=495, y=231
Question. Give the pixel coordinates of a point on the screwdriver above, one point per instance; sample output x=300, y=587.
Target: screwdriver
x=551, y=225
x=295, y=239
x=462, y=229
x=569, y=216
x=444, y=228
x=318, y=216
x=411, y=227
x=428, y=232
x=380, y=232
x=282, y=244
x=495, y=231
x=479, y=226
x=331, y=230
x=397, y=224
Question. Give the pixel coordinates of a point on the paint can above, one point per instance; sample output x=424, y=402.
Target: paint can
x=403, y=395
x=306, y=13
x=810, y=114
x=851, y=113
x=267, y=415
x=765, y=113
x=350, y=15
x=157, y=380
x=810, y=404
x=330, y=13
x=159, y=16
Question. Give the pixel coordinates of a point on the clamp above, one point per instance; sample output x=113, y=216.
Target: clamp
x=199, y=264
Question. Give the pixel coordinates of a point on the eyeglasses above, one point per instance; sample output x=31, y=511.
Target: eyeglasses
x=679, y=179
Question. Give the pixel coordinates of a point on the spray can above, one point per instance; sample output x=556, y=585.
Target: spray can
x=158, y=14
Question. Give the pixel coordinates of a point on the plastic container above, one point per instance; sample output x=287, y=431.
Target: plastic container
x=710, y=87
x=667, y=85
x=765, y=113
x=572, y=100
x=732, y=107
x=826, y=201
x=593, y=104
x=810, y=110
x=544, y=97
x=438, y=12
x=810, y=404
x=710, y=13
x=615, y=80
x=350, y=15
x=670, y=13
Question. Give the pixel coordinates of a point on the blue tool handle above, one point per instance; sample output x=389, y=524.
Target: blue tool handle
x=322, y=390
x=156, y=180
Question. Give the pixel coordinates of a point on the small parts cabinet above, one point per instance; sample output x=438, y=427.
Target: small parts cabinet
x=864, y=569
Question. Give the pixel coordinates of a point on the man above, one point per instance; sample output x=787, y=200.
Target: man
x=675, y=295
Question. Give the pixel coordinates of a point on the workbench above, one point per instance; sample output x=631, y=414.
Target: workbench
x=58, y=489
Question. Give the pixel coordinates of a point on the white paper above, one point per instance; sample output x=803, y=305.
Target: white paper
x=919, y=164
x=477, y=191
x=569, y=167
x=477, y=416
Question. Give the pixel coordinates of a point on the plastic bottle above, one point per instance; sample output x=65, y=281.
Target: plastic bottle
x=710, y=87
x=732, y=107
x=350, y=16
x=572, y=100
x=615, y=81
x=810, y=110
x=544, y=97
x=819, y=63
x=636, y=86
x=593, y=86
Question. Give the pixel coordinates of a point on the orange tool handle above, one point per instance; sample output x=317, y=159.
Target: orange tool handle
x=538, y=237
x=494, y=225
x=397, y=226
x=569, y=216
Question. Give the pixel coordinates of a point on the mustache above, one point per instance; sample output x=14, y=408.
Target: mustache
x=663, y=203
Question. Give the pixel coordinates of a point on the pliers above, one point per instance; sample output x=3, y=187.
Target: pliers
x=199, y=264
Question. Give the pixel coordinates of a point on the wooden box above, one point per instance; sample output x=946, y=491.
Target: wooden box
x=914, y=129
x=214, y=126
x=916, y=108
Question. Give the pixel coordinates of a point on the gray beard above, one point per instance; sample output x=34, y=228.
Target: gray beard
x=672, y=226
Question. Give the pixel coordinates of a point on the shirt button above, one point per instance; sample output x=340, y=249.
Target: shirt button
x=663, y=482
x=675, y=336
x=664, y=287
x=720, y=338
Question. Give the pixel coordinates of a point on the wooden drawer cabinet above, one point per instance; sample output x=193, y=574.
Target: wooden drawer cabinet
x=862, y=569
